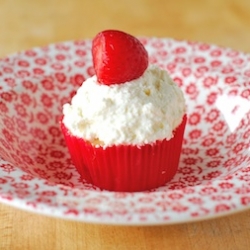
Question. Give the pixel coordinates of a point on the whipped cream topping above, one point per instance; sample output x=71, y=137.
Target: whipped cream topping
x=138, y=112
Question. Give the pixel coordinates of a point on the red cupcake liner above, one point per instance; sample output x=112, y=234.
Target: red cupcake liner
x=126, y=168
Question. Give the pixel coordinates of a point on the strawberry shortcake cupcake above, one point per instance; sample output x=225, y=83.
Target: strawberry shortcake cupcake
x=124, y=126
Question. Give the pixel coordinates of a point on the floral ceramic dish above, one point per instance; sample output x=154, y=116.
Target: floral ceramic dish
x=213, y=179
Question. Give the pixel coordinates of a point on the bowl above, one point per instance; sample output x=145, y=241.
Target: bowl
x=36, y=173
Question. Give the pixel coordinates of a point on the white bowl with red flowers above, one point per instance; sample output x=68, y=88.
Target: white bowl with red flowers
x=213, y=179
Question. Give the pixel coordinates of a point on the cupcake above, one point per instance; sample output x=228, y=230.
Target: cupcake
x=124, y=127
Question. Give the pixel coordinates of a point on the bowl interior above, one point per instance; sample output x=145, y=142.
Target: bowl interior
x=36, y=84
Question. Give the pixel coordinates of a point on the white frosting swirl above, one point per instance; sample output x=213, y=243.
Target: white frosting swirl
x=137, y=112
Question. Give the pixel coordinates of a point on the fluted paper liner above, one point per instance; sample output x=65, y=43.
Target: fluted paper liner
x=126, y=168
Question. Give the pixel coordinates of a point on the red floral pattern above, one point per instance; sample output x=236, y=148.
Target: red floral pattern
x=213, y=178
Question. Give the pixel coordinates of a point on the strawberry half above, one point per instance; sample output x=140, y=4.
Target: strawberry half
x=118, y=57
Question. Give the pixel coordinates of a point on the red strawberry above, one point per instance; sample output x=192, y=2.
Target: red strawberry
x=118, y=57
